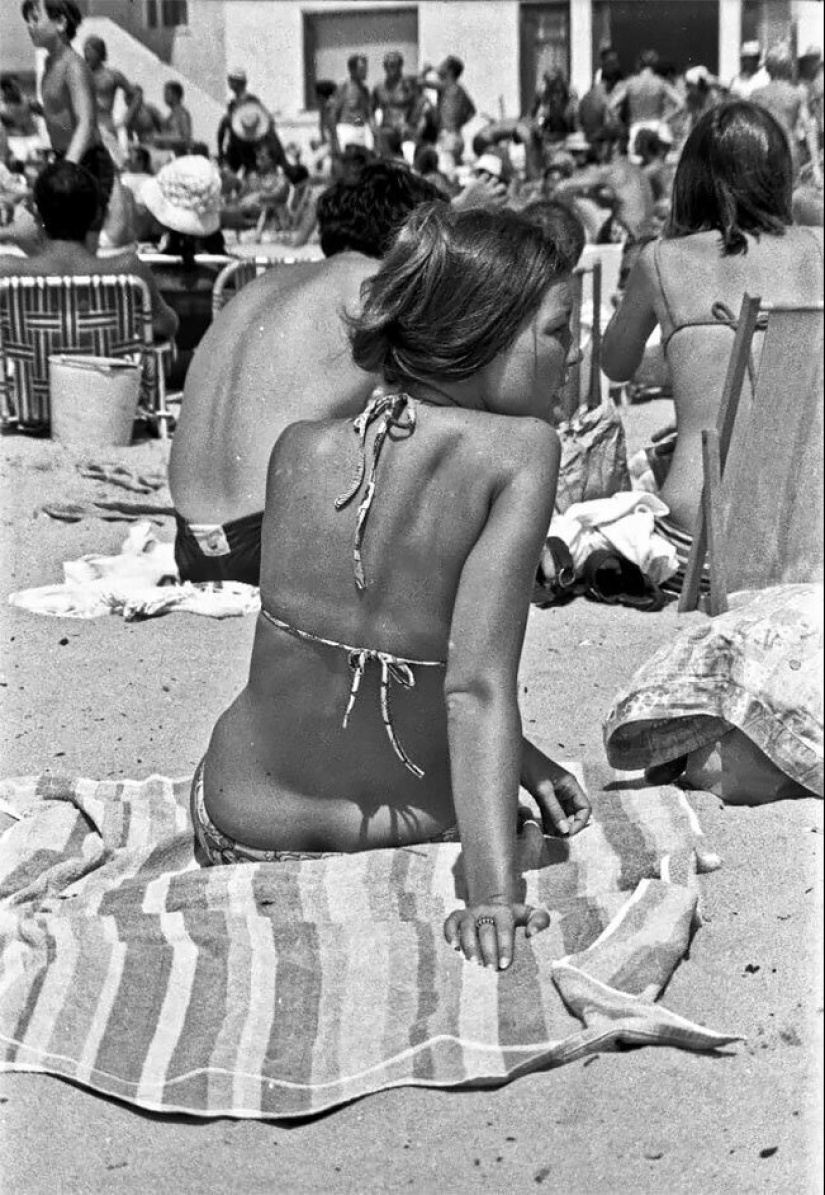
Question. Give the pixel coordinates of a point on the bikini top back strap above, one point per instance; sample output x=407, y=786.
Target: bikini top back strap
x=389, y=411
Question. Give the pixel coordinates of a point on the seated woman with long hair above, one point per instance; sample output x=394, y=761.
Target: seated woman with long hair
x=399, y=551
x=729, y=234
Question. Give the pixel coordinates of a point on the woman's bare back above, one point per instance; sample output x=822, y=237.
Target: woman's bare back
x=688, y=279
x=281, y=772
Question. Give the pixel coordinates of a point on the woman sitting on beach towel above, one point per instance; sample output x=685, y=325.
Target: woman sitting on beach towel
x=399, y=553
x=729, y=234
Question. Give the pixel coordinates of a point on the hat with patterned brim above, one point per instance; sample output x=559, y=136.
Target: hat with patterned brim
x=185, y=196
x=250, y=121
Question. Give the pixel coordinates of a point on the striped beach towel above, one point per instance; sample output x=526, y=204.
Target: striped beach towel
x=284, y=989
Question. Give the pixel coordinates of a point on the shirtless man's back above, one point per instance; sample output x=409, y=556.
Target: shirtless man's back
x=276, y=335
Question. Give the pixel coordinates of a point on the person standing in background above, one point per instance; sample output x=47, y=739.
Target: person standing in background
x=352, y=108
x=810, y=76
x=176, y=127
x=395, y=99
x=788, y=103
x=232, y=151
x=650, y=99
x=68, y=95
x=106, y=83
x=453, y=111
x=751, y=74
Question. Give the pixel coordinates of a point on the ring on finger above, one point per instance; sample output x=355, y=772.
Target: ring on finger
x=484, y=921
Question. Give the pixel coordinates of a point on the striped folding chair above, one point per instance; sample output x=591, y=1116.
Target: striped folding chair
x=90, y=316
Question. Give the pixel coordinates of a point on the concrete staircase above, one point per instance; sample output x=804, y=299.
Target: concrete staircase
x=141, y=66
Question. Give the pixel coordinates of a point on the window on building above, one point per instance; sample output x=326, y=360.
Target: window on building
x=330, y=38
x=684, y=32
x=166, y=14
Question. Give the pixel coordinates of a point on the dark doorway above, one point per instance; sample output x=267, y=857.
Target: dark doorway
x=545, y=44
x=684, y=32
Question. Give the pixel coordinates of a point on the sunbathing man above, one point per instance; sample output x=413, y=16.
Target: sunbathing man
x=276, y=340
x=69, y=106
x=67, y=201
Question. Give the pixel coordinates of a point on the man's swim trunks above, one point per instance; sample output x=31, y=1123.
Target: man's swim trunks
x=216, y=848
x=211, y=552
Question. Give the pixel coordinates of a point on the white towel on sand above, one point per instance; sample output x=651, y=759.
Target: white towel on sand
x=141, y=582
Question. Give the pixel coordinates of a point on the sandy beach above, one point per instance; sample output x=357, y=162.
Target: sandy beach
x=106, y=698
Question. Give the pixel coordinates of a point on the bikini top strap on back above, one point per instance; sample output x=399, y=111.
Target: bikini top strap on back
x=391, y=411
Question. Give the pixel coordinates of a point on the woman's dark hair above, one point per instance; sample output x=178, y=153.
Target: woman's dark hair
x=54, y=10
x=735, y=175
x=325, y=89
x=175, y=88
x=67, y=200
x=454, y=291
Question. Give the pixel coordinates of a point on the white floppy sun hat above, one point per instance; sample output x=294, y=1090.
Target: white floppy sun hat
x=185, y=195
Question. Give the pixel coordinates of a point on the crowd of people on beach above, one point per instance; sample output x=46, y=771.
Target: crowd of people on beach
x=333, y=413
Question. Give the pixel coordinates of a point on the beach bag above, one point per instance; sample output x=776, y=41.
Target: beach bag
x=593, y=456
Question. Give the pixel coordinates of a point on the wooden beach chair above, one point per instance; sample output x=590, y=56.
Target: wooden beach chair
x=760, y=520
x=95, y=316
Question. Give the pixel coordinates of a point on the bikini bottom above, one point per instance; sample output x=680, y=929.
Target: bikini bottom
x=216, y=847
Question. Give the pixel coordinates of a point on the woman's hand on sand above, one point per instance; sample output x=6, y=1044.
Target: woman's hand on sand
x=485, y=933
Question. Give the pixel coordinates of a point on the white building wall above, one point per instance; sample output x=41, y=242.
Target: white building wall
x=486, y=38
x=808, y=17
x=266, y=38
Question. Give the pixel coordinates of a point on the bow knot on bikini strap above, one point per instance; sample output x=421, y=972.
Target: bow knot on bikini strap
x=721, y=312
x=391, y=411
x=391, y=669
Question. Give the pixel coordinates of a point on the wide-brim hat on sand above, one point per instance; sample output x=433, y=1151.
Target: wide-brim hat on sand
x=185, y=195
x=250, y=121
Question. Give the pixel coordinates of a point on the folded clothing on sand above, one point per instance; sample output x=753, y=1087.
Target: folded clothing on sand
x=623, y=523
x=284, y=989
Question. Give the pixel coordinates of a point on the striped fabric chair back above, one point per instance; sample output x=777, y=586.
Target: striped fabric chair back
x=89, y=316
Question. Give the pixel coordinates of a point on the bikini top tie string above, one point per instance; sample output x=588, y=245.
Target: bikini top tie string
x=393, y=668
x=391, y=411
